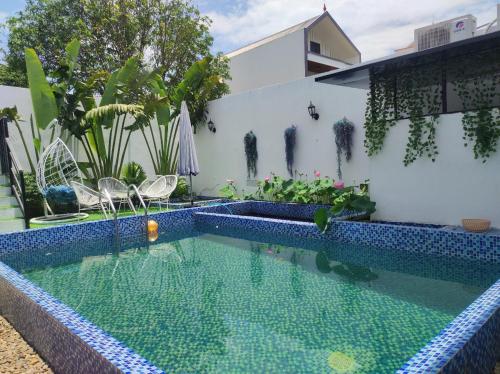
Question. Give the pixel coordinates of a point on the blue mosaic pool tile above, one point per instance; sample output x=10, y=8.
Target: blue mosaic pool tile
x=69, y=342
x=41, y=318
x=469, y=344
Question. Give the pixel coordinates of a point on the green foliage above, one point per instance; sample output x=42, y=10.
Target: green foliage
x=182, y=188
x=111, y=32
x=318, y=191
x=418, y=94
x=42, y=97
x=477, y=79
x=380, y=112
x=34, y=199
x=346, y=199
x=133, y=173
x=229, y=191
x=405, y=92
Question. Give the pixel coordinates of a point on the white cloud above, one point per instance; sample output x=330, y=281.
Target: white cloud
x=377, y=27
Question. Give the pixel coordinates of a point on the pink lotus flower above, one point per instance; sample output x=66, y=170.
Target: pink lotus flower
x=266, y=179
x=338, y=185
x=270, y=251
x=317, y=174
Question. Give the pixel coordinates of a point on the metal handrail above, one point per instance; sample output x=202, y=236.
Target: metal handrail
x=16, y=172
x=141, y=200
x=107, y=196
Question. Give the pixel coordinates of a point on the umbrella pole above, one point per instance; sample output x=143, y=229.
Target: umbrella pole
x=191, y=185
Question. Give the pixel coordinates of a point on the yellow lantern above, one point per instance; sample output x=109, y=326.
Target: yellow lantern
x=152, y=227
x=152, y=236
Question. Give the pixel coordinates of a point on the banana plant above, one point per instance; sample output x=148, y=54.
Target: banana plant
x=164, y=105
x=69, y=104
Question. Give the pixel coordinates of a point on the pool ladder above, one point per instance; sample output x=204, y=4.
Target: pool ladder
x=135, y=190
x=112, y=208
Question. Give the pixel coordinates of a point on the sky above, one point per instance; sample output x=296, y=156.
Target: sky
x=376, y=27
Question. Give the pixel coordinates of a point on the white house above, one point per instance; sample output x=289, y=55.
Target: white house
x=314, y=46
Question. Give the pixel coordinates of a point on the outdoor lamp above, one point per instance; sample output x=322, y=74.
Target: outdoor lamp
x=211, y=126
x=312, y=111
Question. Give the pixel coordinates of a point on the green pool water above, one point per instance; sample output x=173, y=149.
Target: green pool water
x=213, y=304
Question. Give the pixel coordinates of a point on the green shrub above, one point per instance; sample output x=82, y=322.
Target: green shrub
x=182, y=188
x=34, y=199
x=133, y=173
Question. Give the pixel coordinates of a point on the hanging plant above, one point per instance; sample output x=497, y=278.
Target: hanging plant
x=380, y=114
x=250, y=141
x=420, y=99
x=343, y=131
x=290, y=135
x=476, y=79
x=407, y=91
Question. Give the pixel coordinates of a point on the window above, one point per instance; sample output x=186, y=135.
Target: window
x=315, y=47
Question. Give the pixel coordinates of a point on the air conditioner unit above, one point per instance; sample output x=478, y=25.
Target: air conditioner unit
x=445, y=32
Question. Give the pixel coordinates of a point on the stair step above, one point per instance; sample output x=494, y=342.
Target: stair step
x=5, y=191
x=10, y=212
x=11, y=225
x=8, y=201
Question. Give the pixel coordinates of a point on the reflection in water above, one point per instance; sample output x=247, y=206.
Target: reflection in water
x=322, y=262
x=353, y=273
x=296, y=277
x=256, y=266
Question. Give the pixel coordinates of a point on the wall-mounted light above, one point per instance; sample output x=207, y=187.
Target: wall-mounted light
x=211, y=126
x=312, y=111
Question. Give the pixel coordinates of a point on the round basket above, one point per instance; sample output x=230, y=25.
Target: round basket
x=476, y=225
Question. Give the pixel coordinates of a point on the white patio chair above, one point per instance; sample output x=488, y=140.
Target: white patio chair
x=158, y=190
x=56, y=167
x=117, y=190
x=89, y=199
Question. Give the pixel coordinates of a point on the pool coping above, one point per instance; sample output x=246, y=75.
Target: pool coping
x=451, y=347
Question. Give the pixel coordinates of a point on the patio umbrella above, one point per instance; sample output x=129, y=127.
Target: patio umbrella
x=188, y=162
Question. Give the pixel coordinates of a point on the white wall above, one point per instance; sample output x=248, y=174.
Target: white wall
x=278, y=61
x=456, y=186
x=268, y=112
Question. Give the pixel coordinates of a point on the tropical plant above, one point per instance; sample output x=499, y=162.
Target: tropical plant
x=290, y=138
x=72, y=103
x=318, y=191
x=133, y=173
x=182, y=188
x=343, y=131
x=346, y=199
x=229, y=191
x=164, y=105
x=34, y=199
x=250, y=142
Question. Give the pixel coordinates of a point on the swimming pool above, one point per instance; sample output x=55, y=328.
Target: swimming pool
x=211, y=297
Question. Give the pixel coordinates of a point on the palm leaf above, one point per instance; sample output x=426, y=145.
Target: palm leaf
x=42, y=97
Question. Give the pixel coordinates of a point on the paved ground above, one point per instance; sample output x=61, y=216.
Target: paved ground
x=16, y=356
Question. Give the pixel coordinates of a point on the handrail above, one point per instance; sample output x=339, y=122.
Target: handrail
x=141, y=200
x=10, y=162
x=109, y=200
